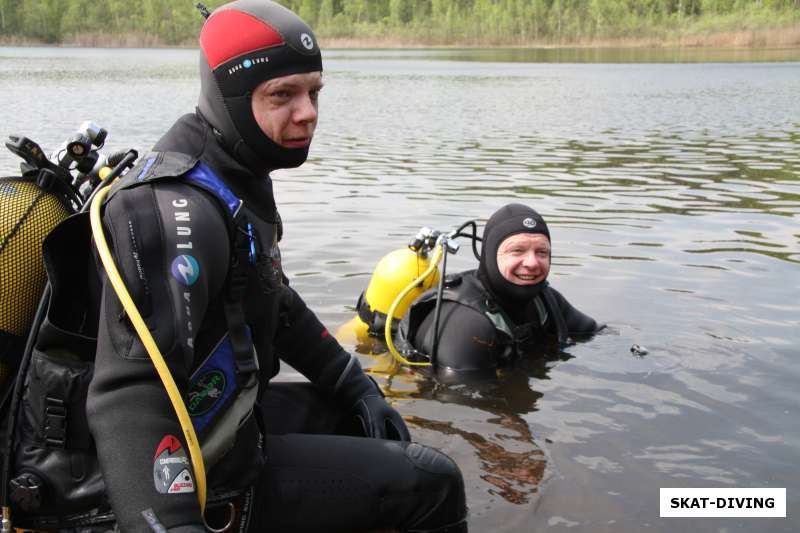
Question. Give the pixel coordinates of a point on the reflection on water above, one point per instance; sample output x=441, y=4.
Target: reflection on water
x=514, y=475
x=672, y=192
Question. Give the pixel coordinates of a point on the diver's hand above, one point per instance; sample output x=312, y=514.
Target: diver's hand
x=379, y=420
x=361, y=395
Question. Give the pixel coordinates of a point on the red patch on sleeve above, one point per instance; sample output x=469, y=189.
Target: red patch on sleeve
x=231, y=33
x=324, y=333
x=168, y=442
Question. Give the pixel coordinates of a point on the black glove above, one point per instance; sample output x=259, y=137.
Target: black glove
x=364, y=397
x=379, y=420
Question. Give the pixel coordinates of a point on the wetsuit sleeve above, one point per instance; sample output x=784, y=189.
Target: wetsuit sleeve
x=577, y=322
x=303, y=342
x=169, y=247
x=466, y=339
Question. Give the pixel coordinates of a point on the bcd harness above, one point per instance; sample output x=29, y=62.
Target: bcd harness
x=57, y=482
x=466, y=289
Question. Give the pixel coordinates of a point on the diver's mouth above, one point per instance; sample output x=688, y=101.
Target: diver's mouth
x=297, y=142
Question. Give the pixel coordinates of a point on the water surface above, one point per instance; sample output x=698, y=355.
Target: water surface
x=672, y=191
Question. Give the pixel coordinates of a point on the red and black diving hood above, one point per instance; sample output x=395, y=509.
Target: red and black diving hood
x=242, y=44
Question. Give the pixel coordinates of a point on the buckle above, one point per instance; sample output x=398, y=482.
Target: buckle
x=55, y=425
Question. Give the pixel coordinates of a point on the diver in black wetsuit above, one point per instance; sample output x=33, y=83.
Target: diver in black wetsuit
x=195, y=232
x=504, y=309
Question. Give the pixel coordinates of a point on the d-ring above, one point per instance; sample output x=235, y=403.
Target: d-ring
x=224, y=528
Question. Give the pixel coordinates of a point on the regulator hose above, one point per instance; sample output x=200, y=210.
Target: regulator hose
x=150, y=345
x=437, y=256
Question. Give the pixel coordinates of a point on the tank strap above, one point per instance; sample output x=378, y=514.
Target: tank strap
x=374, y=319
x=243, y=254
x=555, y=311
x=202, y=176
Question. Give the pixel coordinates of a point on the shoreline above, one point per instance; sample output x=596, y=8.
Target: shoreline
x=778, y=38
x=783, y=38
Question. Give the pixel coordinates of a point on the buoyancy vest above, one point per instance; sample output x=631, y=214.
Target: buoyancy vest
x=56, y=481
x=466, y=289
x=225, y=385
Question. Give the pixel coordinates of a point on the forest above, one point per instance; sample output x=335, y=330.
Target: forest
x=408, y=22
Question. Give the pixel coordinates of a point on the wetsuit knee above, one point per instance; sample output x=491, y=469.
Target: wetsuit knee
x=431, y=460
x=445, y=494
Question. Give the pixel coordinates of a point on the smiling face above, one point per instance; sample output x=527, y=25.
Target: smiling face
x=286, y=110
x=524, y=258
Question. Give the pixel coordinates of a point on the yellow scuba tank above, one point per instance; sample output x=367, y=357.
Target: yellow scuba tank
x=29, y=211
x=392, y=274
x=31, y=206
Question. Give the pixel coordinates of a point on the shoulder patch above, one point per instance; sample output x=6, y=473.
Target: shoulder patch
x=155, y=166
x=171, y=469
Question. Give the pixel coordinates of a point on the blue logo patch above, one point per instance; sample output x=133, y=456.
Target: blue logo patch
x=185, y=269
x=247, y=63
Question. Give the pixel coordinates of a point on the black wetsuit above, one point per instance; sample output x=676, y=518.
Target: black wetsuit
x=172, y=242
x=476, y=335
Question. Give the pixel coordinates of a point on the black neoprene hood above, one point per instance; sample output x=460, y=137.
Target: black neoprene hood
x=509, y=220
x=242, y=44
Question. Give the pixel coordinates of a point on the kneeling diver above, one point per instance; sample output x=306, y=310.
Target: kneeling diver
x=505, y=308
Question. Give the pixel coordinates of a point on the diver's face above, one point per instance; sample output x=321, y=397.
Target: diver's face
x=286, y=110
x=524, y=258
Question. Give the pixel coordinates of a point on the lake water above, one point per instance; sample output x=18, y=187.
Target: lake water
x=672, y=191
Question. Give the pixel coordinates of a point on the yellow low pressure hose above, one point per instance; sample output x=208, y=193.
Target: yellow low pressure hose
x=149, y=343
x=437, y=256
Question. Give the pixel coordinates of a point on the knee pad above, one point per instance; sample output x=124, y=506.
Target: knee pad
x=445, y=495
x=432, y=460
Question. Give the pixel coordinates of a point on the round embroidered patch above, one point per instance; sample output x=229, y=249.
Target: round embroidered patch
x=205, y=392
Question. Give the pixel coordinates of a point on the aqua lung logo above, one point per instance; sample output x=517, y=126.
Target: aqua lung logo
x=248, y=63
x=307, y=41
x=205, y=392
x=529, y=223
x=185, y=269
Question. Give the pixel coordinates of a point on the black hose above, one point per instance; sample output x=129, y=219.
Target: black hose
x=16, y=397
x=438, y=310
x=126, y=161
x=117, y=157
x=474, y=236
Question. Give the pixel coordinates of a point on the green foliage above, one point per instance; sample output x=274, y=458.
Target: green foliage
x=426, y=21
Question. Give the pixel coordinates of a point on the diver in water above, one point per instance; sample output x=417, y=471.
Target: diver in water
x=195, y=230
x=506, y=308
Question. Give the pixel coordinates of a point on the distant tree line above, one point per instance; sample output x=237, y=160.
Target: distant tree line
x=423, y=21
